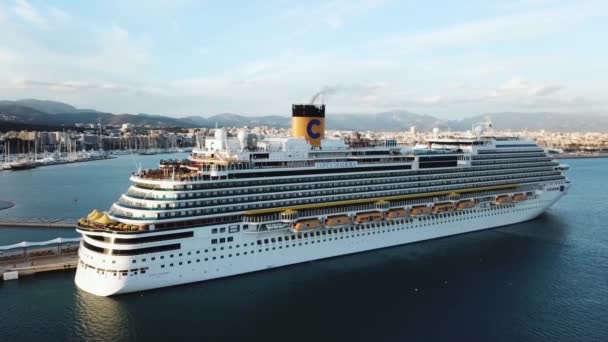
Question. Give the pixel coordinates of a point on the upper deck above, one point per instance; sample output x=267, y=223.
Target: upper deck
x=230, y=177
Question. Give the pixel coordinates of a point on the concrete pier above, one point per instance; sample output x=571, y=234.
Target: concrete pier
x=24, y=268
x=57, y=263
x=37, y=222
x=17, y=263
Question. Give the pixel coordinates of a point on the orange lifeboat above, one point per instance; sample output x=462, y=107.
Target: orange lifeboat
x=369, y=217
x=502, y=199
x=519, y=197
x=443, y=207
x=420, y=210
x=396, y=213
x=307, y=225
x=462, y=205
x=339, y=220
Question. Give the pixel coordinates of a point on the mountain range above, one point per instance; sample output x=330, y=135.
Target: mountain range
x=52, y=113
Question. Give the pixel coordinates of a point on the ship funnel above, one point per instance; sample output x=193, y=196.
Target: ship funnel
x=308, y=121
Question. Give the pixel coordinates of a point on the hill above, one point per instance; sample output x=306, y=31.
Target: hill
x=52, y=113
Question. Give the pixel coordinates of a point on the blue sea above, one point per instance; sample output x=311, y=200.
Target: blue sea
x=542, y=280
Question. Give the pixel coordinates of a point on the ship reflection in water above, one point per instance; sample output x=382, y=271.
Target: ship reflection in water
x=98, y=318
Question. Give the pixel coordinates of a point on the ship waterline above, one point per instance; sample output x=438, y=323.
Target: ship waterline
x=241, y=204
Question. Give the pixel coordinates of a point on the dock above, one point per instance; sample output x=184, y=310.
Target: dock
x=17, y=270
x=37, y=222
x=27, y=258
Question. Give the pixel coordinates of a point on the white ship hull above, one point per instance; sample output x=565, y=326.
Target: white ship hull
x=233, y=260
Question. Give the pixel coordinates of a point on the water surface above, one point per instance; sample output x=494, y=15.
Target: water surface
x=543, y=280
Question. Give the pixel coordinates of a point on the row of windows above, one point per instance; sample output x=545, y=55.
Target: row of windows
x=501, y=151
x=511, y=156
x=222, y=240
x=280, y=185
x=507, y=161
x=333, y=190
x=336, y=190
x=360, y=194
x=144, y=239
x=137, y=251
x=236, y=218
x=310, y=178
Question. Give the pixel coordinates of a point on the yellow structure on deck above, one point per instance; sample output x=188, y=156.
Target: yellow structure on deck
x=104, y=219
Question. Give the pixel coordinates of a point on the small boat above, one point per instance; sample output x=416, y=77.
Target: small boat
x=396, y=213
x=23, y=165
x=420, y=210
x=503, y=199
x=338, y=220
x=519, y=197
x=442, y=207
x=307, y=225
x=467, y=204
x=369, y=217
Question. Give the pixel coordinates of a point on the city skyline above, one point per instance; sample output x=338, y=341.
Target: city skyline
x=449, y=60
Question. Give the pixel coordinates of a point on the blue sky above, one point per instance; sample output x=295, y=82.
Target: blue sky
x=446, y=58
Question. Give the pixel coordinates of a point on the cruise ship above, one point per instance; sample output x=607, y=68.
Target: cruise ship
x=247, y=203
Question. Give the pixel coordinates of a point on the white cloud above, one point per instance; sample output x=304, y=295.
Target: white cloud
x=117, y=51
x=524, y=26
x=518, y=87
x=527, y=4
x=28, y=13
x=58, y=14
x=333, y=14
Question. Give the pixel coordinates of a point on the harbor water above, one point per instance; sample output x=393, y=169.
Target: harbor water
x=542, y=280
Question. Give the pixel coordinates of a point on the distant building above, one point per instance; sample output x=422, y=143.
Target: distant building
x=126, y=127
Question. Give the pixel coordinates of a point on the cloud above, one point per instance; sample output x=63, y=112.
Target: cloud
x=58, y=14
x=63, y=86
x=522, y=26
x=547, y=90
x=527, y=4
x=333, y=14
x=30, y=14
x=516, y=91
x=518, y=87
x=117, y=51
